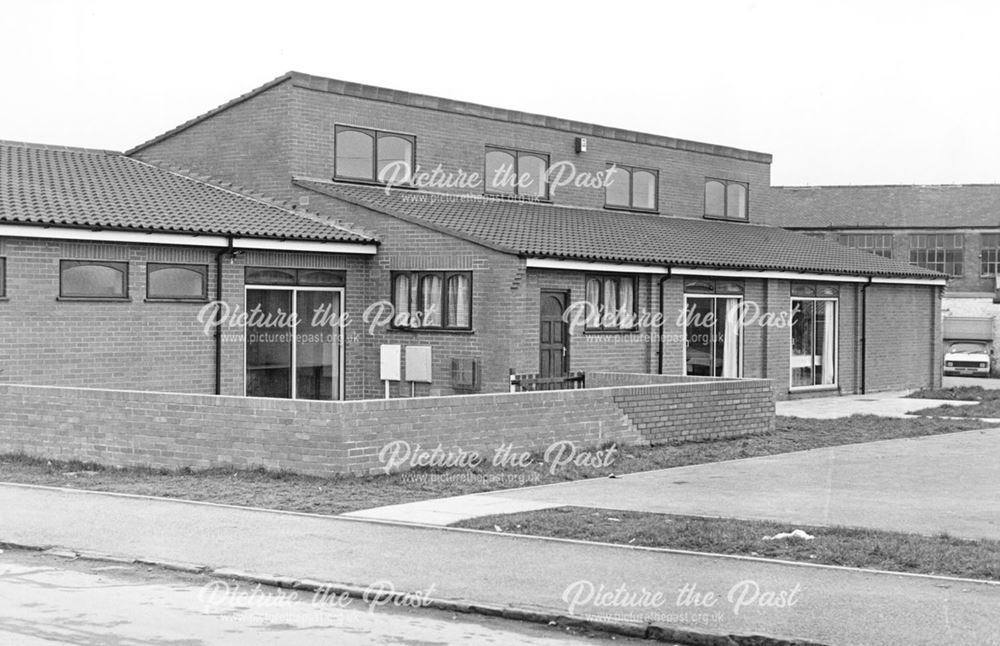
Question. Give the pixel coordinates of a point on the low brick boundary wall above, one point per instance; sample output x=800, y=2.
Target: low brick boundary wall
x=134, y=428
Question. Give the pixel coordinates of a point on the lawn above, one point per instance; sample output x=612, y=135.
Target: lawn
x=340, y=494
x=861, y=548
x=988, y=407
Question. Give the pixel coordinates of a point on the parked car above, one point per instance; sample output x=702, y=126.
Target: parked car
x=967, y=359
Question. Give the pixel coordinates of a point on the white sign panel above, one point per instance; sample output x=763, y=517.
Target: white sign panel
x=418, y=363
x=391, y=355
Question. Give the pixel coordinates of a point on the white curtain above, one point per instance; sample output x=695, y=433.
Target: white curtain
x=430, y=289
x=627, y=305
x=828, y=361
x=731, y=339
x=458, y=301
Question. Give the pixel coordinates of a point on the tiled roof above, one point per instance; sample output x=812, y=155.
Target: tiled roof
x=954, y=205
x=104, y=190
x=400, y=97
x=549, y=231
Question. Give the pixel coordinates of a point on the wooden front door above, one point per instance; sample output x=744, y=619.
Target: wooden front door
x=554, y=337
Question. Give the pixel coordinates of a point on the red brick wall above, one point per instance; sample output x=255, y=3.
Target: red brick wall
x=138, y=344
x=323, y=438
x=902, y=322
x=289, y=130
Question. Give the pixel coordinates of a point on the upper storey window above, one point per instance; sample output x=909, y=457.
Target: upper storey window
x=726, y=199
x=516, y=172
x=633, y=188
x=374, y=156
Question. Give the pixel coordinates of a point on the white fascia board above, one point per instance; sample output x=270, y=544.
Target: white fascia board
x=177, y=239
x=364, y=249
x=776, y=275
x=604, y=267
x=911, y=281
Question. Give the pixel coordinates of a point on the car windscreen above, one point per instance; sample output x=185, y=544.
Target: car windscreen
x=967, y=348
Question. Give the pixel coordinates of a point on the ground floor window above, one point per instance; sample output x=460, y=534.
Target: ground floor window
x=712, y=336
x=432, y=299
x=814, y=346
x=294, y=345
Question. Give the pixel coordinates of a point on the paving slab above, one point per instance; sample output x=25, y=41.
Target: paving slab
x=826, y=605
x=445, y=511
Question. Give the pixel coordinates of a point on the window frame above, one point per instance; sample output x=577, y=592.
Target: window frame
x=122, y=265
x=3, y=278
x=714, y=297
x=415, y=296
x=993, y=250
x=516, y=153
x=296, y=273
x=925, y=249
x=631, y=170
x=601, y=278
x=835, y=385
x=851, y=239
x=725, y=199
x=375, y=134
x=198, y=268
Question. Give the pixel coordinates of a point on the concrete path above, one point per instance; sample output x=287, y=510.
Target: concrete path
x=826, y=605
x=894, y=404
x=941, y=483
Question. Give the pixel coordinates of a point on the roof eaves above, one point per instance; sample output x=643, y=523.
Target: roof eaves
x=247, y=194
x=448, y=231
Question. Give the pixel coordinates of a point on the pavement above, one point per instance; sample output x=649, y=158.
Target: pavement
x=956, y=382
x=926, y=485
x=889, y=404
x=750, y=596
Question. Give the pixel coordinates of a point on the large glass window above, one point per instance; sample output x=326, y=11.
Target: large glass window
x=713, y=334
x=943, y=252
x=611, y=303
x=814, y=336
x=516, y=172
x=432, y=300
x=989, y=254
x=879, y=244
x=93, y=279
x=631, y=188
x=373, y=155
x=294, y=342
x=726, y=199
x=176, y=282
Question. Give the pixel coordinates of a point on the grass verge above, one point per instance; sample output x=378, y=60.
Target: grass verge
x=861, y=548
x=340, y=494
x=989, y=402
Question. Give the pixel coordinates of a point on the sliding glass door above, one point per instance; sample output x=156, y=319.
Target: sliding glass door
x=712, y=336
x=294, y=343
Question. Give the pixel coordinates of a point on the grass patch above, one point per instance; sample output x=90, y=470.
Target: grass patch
x=861, y=548
x=989, y=402
x=340, y=494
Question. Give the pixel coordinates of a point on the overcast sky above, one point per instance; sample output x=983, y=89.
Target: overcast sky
x=840, y=93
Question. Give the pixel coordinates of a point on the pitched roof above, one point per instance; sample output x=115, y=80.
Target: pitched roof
x=945, y=206
x=105, y=190
x=400, y=97
x=550, y=231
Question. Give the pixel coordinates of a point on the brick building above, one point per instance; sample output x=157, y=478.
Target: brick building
x=953, y=229
x=544, y=246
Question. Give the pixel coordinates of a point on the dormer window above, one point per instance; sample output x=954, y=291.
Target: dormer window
x=366, y=155
x=632, y=188
x=726, y=199
x=516, y=173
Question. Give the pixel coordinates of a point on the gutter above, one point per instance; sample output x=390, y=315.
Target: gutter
x=228, y=250
x=659, y=337
x=864, y=333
